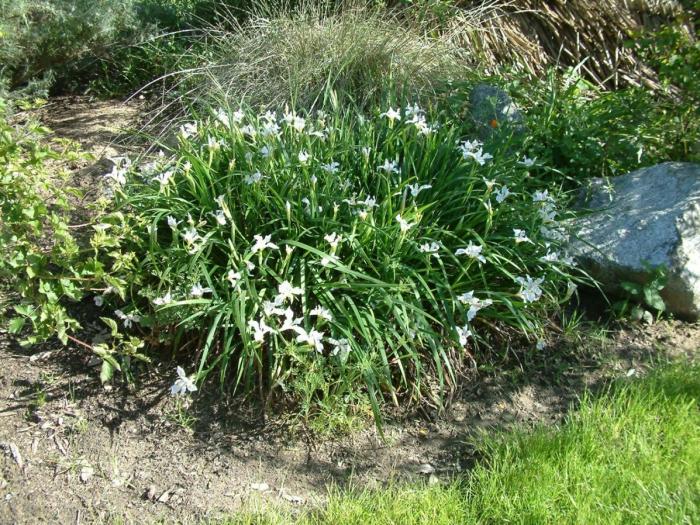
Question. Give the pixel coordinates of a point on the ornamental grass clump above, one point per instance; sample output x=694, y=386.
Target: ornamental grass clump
x=371, y=253
x=284, y=53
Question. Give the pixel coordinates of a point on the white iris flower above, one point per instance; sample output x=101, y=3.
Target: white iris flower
x=392, y=115
x=183, y=384
x=262, y=243
x=473, y=251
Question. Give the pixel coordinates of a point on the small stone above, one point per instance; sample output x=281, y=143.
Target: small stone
x=433, y=480
x=150, y=493
x=260, y=487
x=86, y=472
x=425, y=468
x=118, y=481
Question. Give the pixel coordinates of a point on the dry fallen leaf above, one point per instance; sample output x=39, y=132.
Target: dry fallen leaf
x=60, y=445
x=40, y=356
x=14, y=452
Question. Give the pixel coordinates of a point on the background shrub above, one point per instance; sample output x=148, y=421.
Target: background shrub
x=584, y=131
x=56, y=38
x=117, y=45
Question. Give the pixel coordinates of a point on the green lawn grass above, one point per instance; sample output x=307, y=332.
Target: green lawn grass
x=631, y=455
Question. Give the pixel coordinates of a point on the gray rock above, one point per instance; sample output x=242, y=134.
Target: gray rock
x=492, y=108
x=645, y=219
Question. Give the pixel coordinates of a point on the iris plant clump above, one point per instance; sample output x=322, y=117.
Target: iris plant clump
x=374, y=253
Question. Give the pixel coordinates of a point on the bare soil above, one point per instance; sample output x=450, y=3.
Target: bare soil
x=103, y=128
x=74, y=451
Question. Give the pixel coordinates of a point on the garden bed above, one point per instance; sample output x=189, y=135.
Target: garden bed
x=212, y=458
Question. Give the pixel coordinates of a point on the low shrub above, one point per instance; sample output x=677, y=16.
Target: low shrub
x=51, y=260
x=34, y=229
x=583, y=131
x=330, y=254
x=53, y=39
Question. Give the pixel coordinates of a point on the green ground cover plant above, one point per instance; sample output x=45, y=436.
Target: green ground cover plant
x=631, y=455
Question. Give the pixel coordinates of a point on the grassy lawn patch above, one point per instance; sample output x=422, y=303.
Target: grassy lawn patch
x=631, y=455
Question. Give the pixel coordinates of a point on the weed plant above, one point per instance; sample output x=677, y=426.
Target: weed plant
x=52, y=256
x=583, y=132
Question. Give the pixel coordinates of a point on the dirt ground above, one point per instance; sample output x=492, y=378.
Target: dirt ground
x=102, y=127
x=74, y=451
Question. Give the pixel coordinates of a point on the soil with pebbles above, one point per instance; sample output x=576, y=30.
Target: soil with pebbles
x=75, y=451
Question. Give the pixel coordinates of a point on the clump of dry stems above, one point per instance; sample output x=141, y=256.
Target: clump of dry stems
x=533, y=35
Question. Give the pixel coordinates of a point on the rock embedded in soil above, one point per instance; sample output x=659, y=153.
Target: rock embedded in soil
x=641, y=221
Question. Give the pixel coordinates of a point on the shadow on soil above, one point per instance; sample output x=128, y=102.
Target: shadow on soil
x=518, y=387
x=160, y=456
